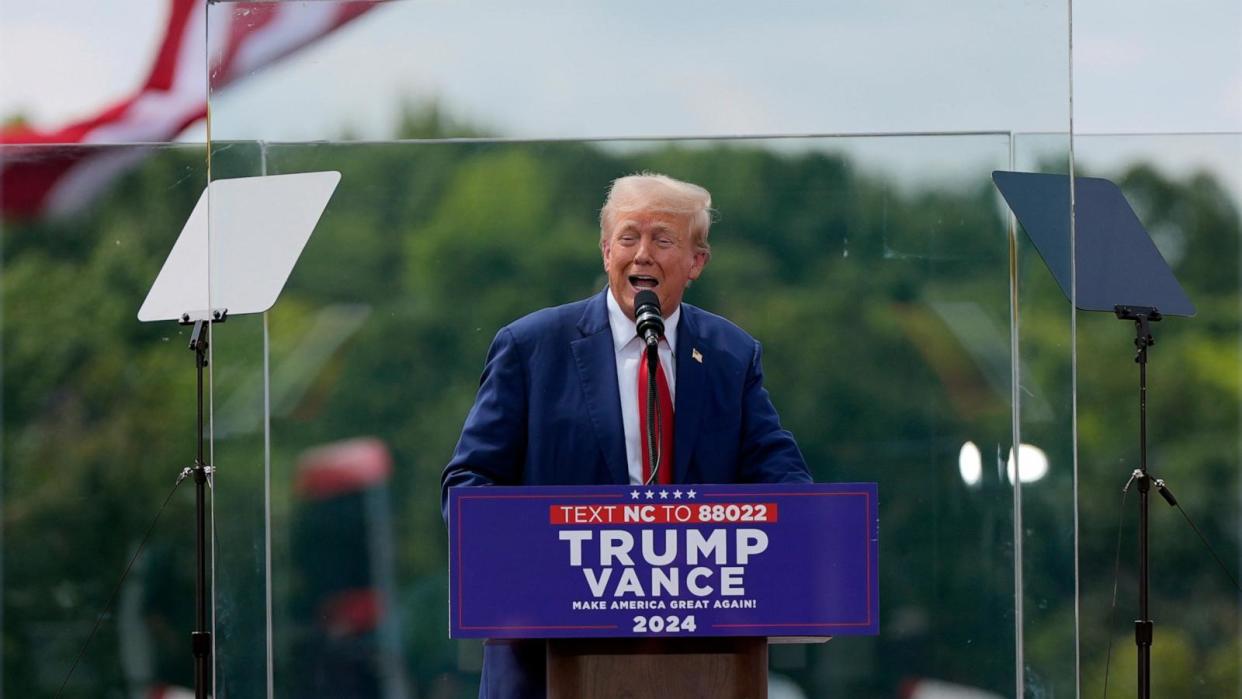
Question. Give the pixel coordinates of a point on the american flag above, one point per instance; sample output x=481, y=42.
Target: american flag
x=39, y=180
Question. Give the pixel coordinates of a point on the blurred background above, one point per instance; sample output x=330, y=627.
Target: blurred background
x=912, y=334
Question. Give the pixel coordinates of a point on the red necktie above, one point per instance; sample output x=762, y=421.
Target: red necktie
x=664, y=422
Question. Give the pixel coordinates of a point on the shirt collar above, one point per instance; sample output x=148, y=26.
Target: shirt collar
x=625, y=330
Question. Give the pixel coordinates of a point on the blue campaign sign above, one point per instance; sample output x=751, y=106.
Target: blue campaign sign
x=672, y=560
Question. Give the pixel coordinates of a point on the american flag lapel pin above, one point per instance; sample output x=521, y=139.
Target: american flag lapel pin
x=696, y=355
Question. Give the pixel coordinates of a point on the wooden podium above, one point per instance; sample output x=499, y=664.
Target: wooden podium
x=715, y=668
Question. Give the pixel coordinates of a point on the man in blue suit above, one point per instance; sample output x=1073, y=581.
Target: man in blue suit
x=558, y=399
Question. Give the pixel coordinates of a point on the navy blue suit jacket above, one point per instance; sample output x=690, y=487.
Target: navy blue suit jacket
x=548, y=412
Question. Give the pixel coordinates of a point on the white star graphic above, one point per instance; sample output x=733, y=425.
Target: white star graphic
x=633, y=494
x=676, y=494
x=690, y=494
x=650, y=494
x=664, y=495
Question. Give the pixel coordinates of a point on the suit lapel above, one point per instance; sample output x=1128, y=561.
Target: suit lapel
x=596, y=362
x=691, y=387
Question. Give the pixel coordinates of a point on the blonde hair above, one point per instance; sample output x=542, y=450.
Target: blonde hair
x=651, y=191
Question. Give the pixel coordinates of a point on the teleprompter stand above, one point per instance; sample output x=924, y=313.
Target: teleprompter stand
x=1143, y=317
x=1115, y=268
x=200, y=638
x=249, y=233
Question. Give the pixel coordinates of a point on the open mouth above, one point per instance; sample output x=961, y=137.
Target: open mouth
x=643, y=281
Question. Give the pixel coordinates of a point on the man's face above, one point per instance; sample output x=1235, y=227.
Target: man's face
x=651, y=250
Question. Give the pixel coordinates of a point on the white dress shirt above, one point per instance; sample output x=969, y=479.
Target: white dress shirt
x=629, y=349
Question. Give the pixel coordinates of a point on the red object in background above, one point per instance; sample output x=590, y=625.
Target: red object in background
x=343, y=467
x=352, y=612
x=341, y=552
x=332, y=481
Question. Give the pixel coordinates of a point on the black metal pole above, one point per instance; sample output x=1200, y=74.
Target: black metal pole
x=200, y=638
x=1144, y=627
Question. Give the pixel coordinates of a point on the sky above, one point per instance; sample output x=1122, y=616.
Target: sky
x=595, y=69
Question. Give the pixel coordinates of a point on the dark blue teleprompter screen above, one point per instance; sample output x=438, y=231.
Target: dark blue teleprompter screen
x=1117, y=262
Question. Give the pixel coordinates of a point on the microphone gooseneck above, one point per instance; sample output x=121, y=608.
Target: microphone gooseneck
x=647, y=317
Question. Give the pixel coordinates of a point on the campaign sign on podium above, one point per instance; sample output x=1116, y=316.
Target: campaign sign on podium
x=669, y=560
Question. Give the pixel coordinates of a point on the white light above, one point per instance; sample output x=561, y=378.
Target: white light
x=1034, y=463
x=970, y=464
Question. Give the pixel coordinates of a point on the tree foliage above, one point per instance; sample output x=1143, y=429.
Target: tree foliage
x=883, y=307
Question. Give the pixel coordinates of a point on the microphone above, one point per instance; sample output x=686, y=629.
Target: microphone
x=647, y=316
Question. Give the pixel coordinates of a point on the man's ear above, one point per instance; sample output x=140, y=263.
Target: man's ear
x=700, y=261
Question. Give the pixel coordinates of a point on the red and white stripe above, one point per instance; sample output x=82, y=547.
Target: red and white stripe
x=45, y=180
